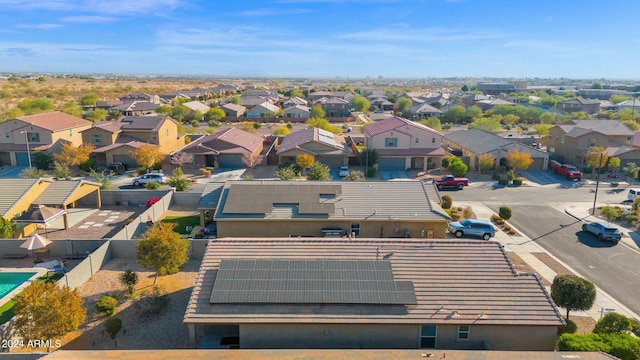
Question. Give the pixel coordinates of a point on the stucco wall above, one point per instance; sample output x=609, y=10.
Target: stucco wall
x=523, y=338
x=329, y=336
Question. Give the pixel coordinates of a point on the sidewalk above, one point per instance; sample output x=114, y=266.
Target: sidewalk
x=525, y=249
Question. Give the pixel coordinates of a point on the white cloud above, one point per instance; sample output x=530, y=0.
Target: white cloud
x=89, y=19
x=110, y=7
x=39, y=26
x=273, y=12
x=403, y=33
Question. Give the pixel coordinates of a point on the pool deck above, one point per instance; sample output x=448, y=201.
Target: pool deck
x=38, y=273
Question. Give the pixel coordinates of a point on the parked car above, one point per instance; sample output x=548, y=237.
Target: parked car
x=448, y=181
x=603, y=232
x=633, y=194
x=471, y=227
x=566, y=170
x=147, y=178
x=344, y=171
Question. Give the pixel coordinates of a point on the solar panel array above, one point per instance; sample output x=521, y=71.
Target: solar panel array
x=243, y=199
x=266, y=281
x=327, y=137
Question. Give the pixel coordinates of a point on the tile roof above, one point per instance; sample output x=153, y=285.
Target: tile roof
x=13, y=190
x=234, y=107
x=227, y=141
x=110, y=126
x=54, y=121
x=333, y=143
x=118, y=144
x=393, y=123
x=143, y=123
x=577, y=128
x=59, y=192
x=402, y=201
x=136, y=106
x=424, y=109
x=455, y=282
x=197, y=106
x=481, y=142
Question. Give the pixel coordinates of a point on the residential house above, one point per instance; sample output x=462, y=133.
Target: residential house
x=225, y=89
x=19, y=196
x=310, y=293
x=195, y=106
x=107, y=104
x=474, y=143
x=184, y=94
x=250, y=101
x=137, y=108
x=317, y=95
x=408, y=209
x=334, y=107
x=114, y=140
x=229, y=148
x=297, y=111
x=263, y=110
x=633, y=105
x=381, y=103
x=571, y=141
x=403, y=144
x=326, y=147
x=586, y=106
x=293, y=101
x=41, y=132
x=491, y=103
x=497, y=88
x=423, y=110
x=155, y=99
x=233, y=110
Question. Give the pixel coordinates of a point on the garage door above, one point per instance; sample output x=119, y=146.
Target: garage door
x=230, y=162
x=125, y=159
x=391, y=164
x=331, y=161
x=22, y=159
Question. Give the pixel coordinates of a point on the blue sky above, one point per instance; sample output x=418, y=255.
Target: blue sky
x=324, y=38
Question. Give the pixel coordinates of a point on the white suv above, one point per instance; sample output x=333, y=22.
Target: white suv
x=147, y=178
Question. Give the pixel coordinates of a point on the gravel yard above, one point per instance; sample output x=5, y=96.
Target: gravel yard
x=163, y=331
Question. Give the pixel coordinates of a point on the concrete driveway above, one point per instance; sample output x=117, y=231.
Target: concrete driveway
x=390, y=175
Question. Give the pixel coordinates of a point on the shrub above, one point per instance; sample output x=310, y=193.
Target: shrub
x=506, y=227
x=107, y=305
x=157, y=166
x=517, y=182
x=587, y=169
x=205, y=172
x=505, y=212
x=112, y=326
x=467, y=213
x=613, y=184
x=495, y=217
x=496, y=176
x=570, y=328
x=152, y=185
x=511, y=175
x=447, y=201
x=631, y=218
x=635, y=204
x=88, y=165
x=371, y=172
x=503, y=182
x=129, y=279
x=455, y=216
x=635, y=327
x=512, y=232
x=500, y=221
x=612, y=323
x=195, y=123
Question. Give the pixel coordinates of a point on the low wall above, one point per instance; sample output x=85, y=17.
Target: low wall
x=57, y=248
x=186, y=199
x=127, y=249
x=118, y=197
x=87, y=267
x=139, y=224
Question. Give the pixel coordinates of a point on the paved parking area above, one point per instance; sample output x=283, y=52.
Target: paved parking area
x=390, y=175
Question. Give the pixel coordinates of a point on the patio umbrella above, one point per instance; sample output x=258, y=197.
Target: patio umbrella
x=36, y=242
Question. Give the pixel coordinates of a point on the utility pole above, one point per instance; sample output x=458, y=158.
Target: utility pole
x=595, y=196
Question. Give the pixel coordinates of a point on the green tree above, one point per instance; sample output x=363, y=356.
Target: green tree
x=96, y=114
x=7, y=228
x=215, y=114
x=42, y=160
x=129, y=279
x=486, y=162
x=368, y=157
x=632, y=125
x=317, y=112
x=541, y=129
x=446, y=127
x=572, y=292
x=319, y=171
x=464, y=88
x=457, y=168
x=72, y=108
x=236, y=100
x=163, y=110
x=631, y=171
x=612, y=323
x=162, y=249
x=432, y=122
x=47, y=311
x=88, y=100
x=597, y=157
x=611, y=213
x=596, y=85
x=112, y=326
x=285, y=173
x=360, y=103
x=456, y=113
x=179, y=112
x=281, y=130
x=474, y=111
x=178, y=180
x=616, y=99
x=355, y=175
x=622, y=346
x=35, y=106
x=490, y=124
x=403, y=105
x=323, y=124
x=614, y=163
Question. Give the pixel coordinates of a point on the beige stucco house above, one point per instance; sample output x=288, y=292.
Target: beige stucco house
x=404, y=144
x=41, y=132
x=326, y=147
x=317, y=293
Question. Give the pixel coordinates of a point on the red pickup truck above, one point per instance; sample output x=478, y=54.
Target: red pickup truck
x=448, y=181
x=567, y=170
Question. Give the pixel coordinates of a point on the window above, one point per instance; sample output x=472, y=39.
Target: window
x=7, y=135
x=70, y=132
x=33, y=137
x=355, y=229
x=428, y=337
x=391, y=142
x=97, y=138
x=433, y=140
x=628, y=140
x=417, y=140
x=154, y=137
x=167, y=132
x=562, y=139
x=593, y=142
x=463, y=332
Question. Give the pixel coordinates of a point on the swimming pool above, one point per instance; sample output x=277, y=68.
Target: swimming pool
x=12, y=281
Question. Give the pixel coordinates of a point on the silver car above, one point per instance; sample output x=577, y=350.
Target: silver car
x=471, y=227
x=603, y=232
x=147, y=178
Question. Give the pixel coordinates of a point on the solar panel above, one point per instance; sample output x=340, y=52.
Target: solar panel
x=280, y=281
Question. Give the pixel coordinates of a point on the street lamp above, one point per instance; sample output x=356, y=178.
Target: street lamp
x=595, y=196
x=26, y=136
